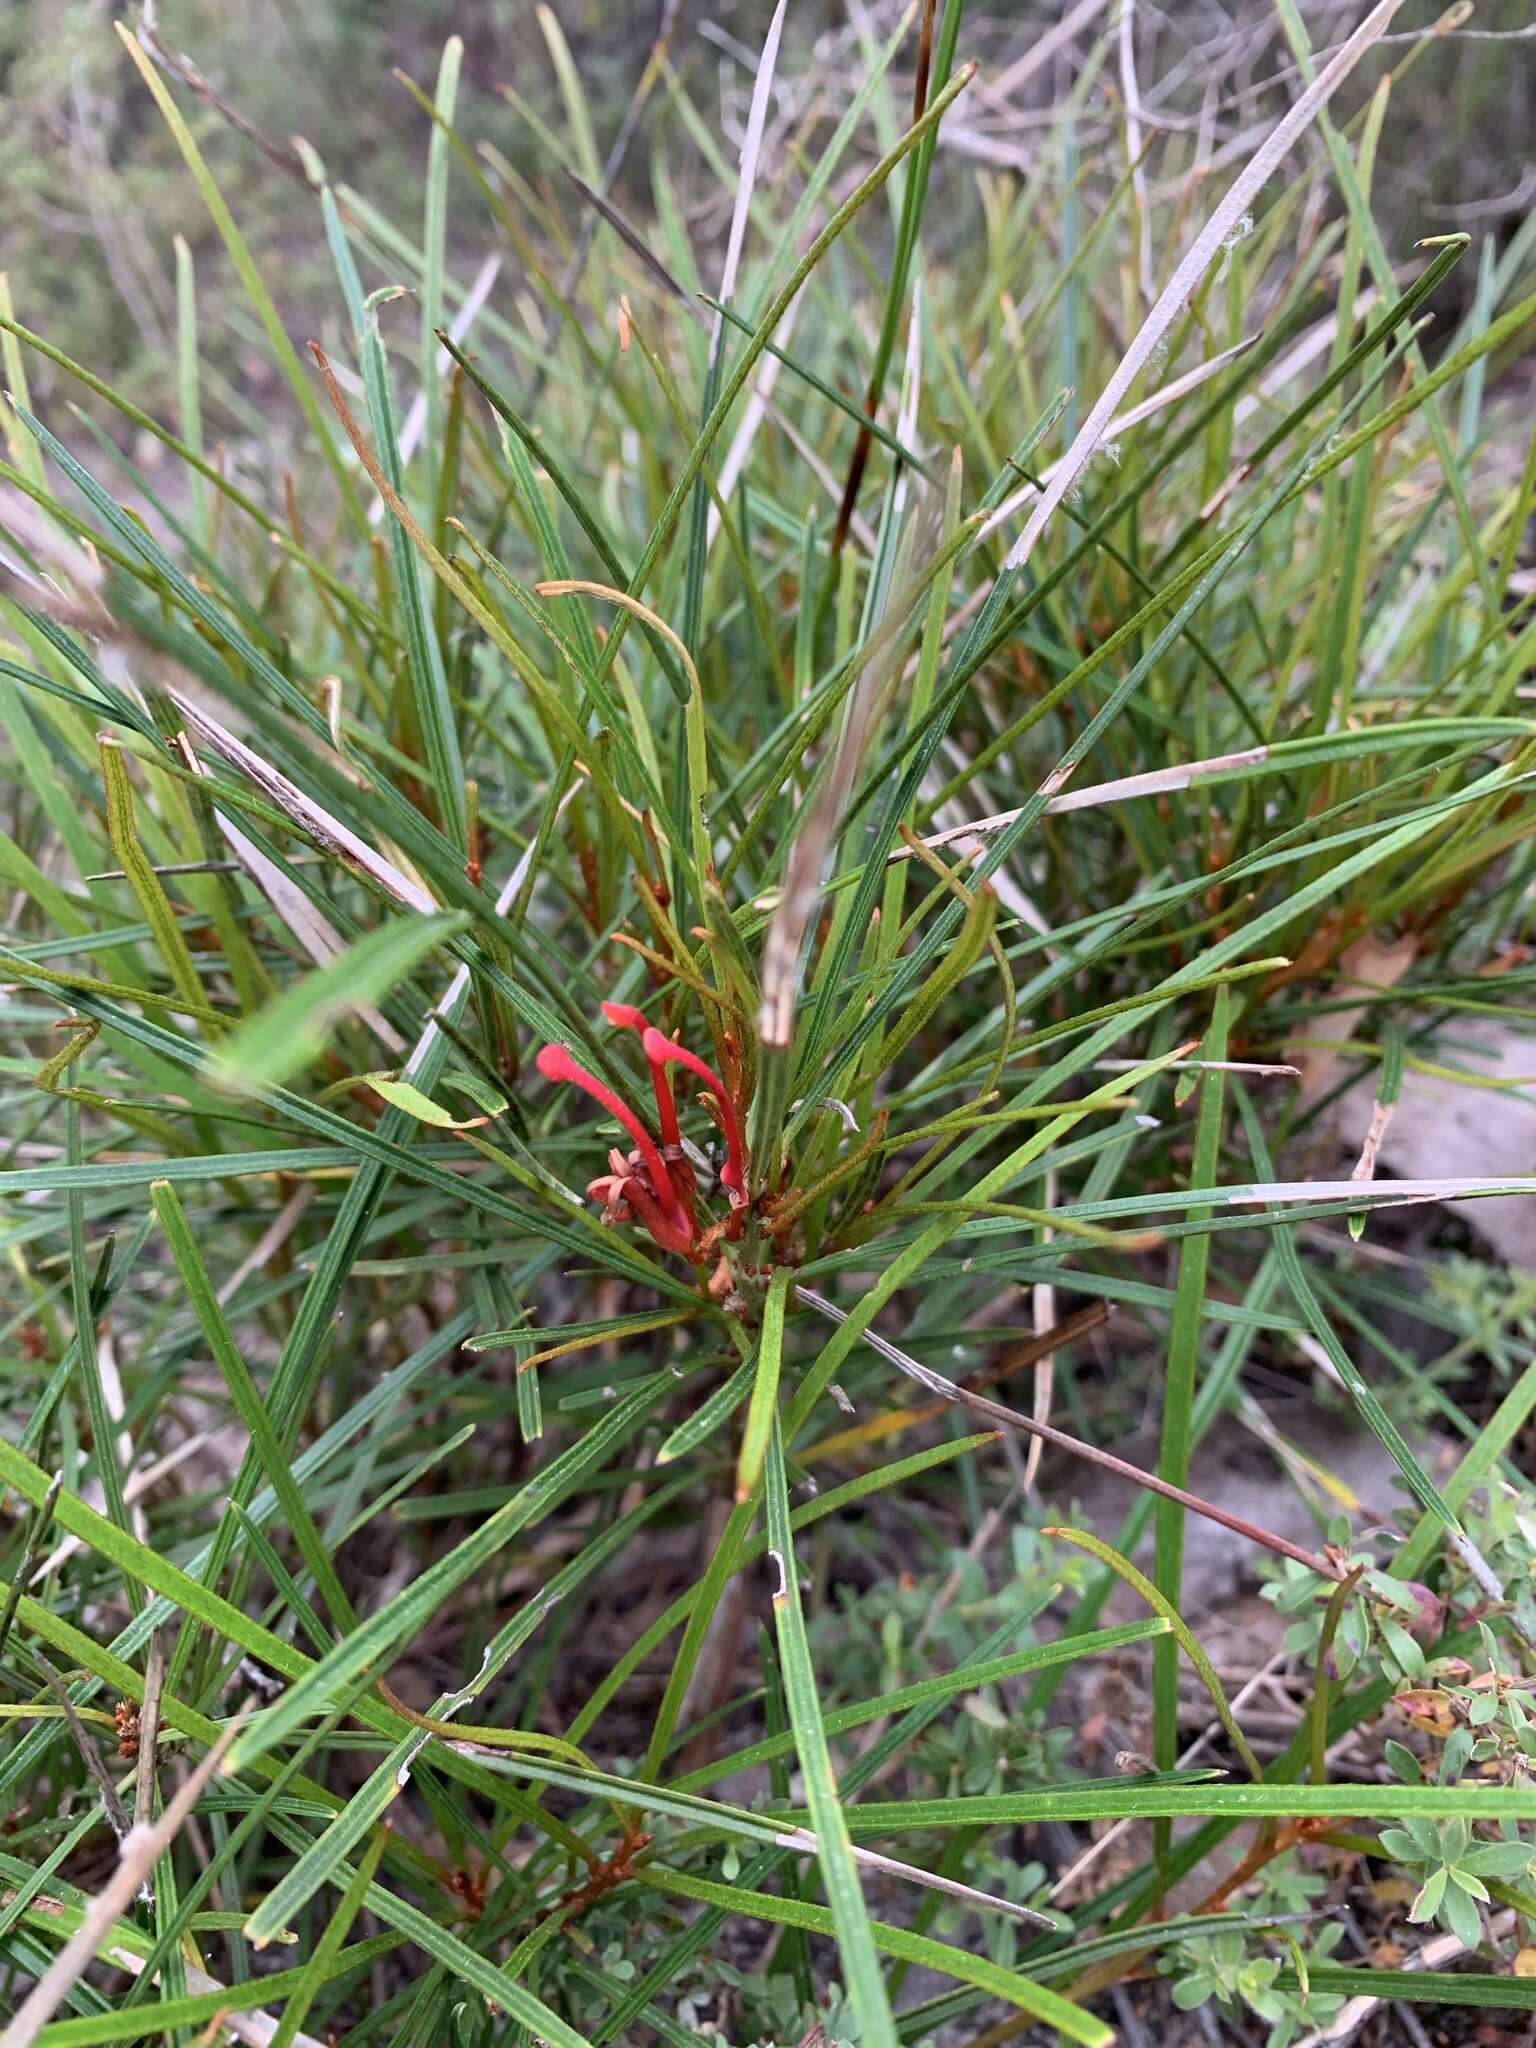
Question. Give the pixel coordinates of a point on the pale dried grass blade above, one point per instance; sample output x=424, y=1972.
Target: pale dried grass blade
x=751, y=152
x=803, y=1841
x=1180, y=288
x=314, y=932
x=1042, y=1307
x=1365, y=1165
x=813, y=842
x=328, y=832
x=1131, y=95
x=1144, y=409
x=1152, y=782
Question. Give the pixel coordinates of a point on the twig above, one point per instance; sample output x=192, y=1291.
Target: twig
x=1012, y=1419
x=1434, y=1955
x=96, y=1770
x=149, y=1731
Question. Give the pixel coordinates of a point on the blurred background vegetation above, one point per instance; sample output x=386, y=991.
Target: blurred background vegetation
x=95, y=194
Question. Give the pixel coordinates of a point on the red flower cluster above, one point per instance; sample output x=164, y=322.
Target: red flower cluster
x=655, y=1183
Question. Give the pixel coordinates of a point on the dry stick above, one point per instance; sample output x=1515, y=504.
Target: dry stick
x=272, y=1239
x=1106, y=1460
x=149, y=1731
x=255, y=2028
x=141, y=1849
x=1027, y=1351
x=1433, y=1956
x=96, y=1770
x=1181, y=287
x=1212, y=1729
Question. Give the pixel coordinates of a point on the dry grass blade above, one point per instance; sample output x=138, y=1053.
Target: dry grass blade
x=313, y=930
x=149, y=1731
x=929, y=1880
x=1042, y=1303
x=1152, y=782
x=1131, y=94
x=358, y=665
x=1180, y=288
x=1147, y=408
x=751, y=151
x=176, y=64
x=313, y=819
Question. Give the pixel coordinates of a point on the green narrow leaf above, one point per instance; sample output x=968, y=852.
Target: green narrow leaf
x=146, y=885
x=250, y=277
x=433, y=246
x=428, y=680
x=1419, y=1483
x=322, y=1965
x=188, y=388
x=1048, y=2007
x=248, y=1402
x=858, y=1957
x=763, y=1406
x=283, y=1039
x=1179, y=1394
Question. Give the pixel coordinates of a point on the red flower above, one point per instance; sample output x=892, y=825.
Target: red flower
x=655, y=1184
x=733, y=1175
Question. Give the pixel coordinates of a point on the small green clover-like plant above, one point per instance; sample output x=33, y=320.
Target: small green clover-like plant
x=1385, y=1627
x=1504, y=1529
x=1222, y=1967
x=1452, y=1866
x=1230, y=1969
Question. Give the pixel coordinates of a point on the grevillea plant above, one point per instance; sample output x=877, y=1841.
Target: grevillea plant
x=759, y=763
